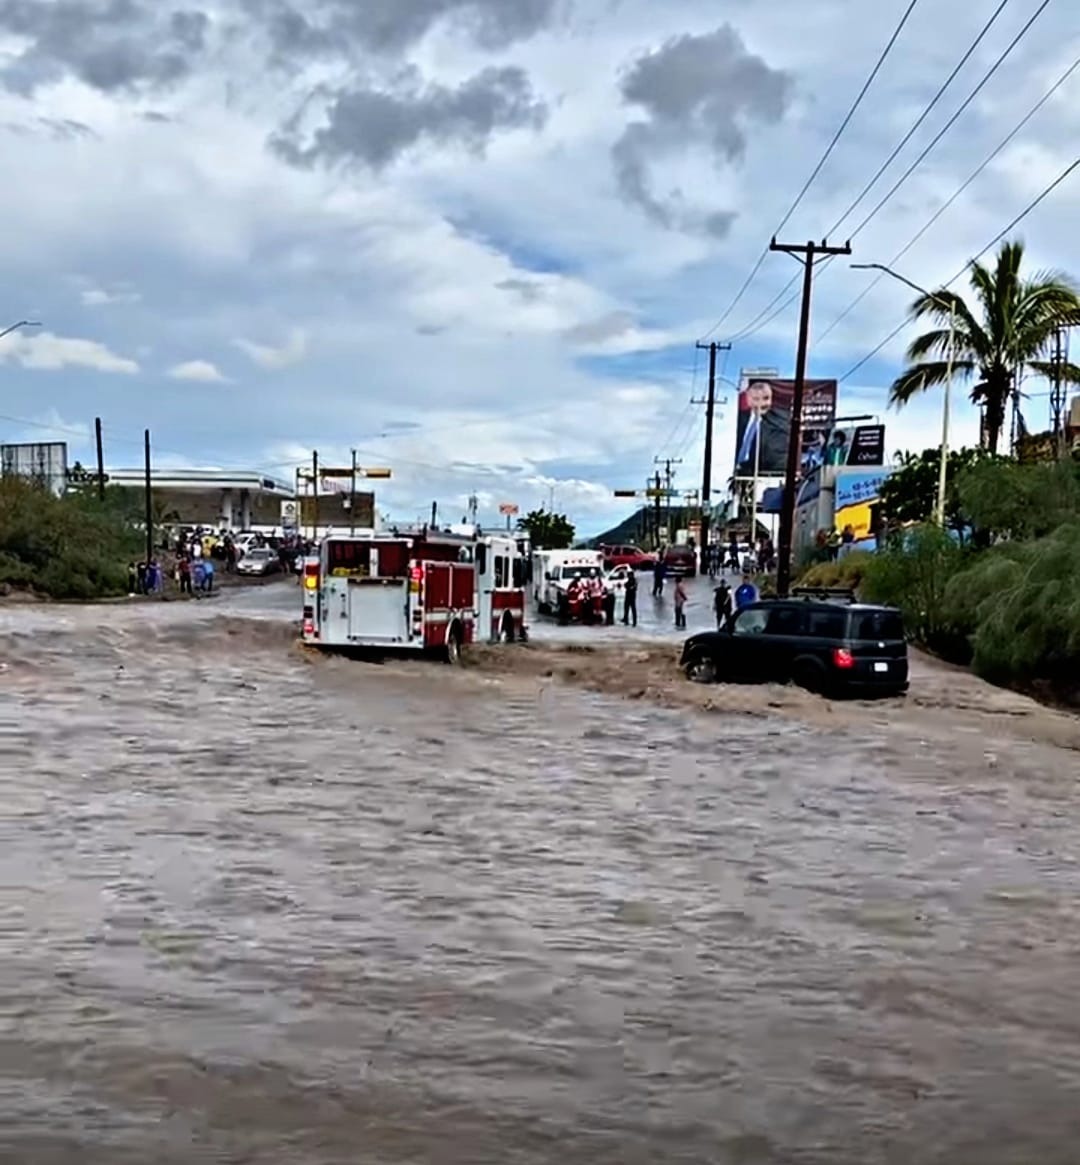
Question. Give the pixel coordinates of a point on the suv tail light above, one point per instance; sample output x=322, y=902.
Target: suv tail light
x=842, y=658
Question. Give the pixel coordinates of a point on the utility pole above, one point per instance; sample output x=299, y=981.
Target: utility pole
x=352, y=496
x=806, y=254
x=1057, y=393
x=669, y=476
x=100, y=460
x=706, y=472
x=149, y=499
x=656, y=511
x=314, y=495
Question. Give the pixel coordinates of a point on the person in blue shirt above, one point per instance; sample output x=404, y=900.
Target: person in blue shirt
x=745, y=594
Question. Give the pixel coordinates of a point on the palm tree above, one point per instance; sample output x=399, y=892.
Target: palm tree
x=1011, y=329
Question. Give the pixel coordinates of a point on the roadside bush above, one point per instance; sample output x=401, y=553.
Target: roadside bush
x=913, y=573
x=1019, y=605
x=67, y=548
x=1010, y=500
x=847, y=571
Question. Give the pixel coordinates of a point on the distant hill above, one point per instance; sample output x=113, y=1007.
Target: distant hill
x=637, y=530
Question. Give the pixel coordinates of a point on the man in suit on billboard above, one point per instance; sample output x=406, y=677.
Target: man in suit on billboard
x=764, y=430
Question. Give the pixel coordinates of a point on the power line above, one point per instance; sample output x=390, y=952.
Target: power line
x=993, y=243
x=818, y=168
x=953, y=120
x=761, y=320
x=922, y=116
x=955, y=195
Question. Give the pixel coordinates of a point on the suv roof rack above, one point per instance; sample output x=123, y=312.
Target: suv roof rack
x=829, y=594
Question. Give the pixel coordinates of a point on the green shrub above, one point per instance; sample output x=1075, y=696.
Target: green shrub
x=1019, y=605
x=913, y=574
x=67, y=548
x=847, y=571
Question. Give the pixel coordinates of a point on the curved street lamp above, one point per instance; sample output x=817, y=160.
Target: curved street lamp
x=939, y=508
x=20, y=324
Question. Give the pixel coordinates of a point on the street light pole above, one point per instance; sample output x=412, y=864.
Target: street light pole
x=943, y=468
x=20, y=324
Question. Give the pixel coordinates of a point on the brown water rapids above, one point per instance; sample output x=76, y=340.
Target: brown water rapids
x=558, y=906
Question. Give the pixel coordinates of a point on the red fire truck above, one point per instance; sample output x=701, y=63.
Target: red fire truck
x=423, y=591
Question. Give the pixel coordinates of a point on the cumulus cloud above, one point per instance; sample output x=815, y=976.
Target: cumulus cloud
x=104, y=297
x=695, y=91
x=48, y=352
x=201, y=371
x=321, y=28
x=374, y=127
x=267, y=356
x=110, y=45
x=616, y=323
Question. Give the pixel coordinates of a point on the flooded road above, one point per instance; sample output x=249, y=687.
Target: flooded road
x=259, y=906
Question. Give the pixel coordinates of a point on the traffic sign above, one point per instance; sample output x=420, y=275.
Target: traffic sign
x=290, y=512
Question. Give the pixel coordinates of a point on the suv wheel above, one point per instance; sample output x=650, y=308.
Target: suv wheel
x=809, y=673
x=701, y=667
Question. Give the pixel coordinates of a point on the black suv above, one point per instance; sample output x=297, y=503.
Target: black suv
x=823, y=646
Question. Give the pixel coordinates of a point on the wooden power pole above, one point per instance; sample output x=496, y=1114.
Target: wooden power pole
x=807, y=254
x=706, y=471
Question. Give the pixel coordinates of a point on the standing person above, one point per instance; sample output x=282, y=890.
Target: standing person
x=133, y=579
x=746, y=594
x=733, y=553
x=723, y=605
x=208, y=574
x=140, y=574
x=658, y=577
x=629, y=614
x=680, y=604
x=183, y=569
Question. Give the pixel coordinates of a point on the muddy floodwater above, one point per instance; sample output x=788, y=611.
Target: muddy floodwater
x=557, y=906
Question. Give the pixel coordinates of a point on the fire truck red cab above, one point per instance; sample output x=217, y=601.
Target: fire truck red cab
x=426, y=591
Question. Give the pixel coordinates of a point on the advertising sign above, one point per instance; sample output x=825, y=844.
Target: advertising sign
x=763, y=425
x=45, y=463
x=844, y=445
x=508, y=509
x=290, y=515
x=857, y=494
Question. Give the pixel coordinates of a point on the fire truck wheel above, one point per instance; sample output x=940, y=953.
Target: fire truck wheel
x=453, y=646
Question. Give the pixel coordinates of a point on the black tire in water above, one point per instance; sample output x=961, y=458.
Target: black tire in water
x=809, y=674
x=700, y=668
x=454, y=647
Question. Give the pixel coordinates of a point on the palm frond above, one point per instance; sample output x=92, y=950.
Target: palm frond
x=1070, y=373
x=919, y=377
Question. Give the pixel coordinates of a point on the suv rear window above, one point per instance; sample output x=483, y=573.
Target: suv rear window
x=827, y=623
x=876, y=625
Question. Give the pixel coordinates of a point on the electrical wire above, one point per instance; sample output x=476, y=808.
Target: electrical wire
x=818, y=168
x=1005, y=141
x=975, y=258
x=764, y=317
x=922, y=116
x=1006, y=53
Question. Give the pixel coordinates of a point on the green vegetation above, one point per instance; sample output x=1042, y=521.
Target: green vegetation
x=1009, y=331
x=843, y=572
x=909, y=493
x=547, y=531
x=67, y=548
x=1005, y=600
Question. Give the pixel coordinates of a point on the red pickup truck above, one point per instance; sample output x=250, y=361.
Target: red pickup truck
x=632, y=556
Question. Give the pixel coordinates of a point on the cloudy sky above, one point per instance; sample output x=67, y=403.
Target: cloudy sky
x=477, y=239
